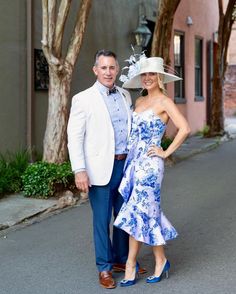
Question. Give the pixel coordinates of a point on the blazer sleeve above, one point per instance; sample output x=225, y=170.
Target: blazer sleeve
x=76, y=134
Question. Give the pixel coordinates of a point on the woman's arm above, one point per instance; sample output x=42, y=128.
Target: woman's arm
x=179, y=121
x=181, y=124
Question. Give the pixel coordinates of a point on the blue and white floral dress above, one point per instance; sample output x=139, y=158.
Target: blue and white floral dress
x=141, y=215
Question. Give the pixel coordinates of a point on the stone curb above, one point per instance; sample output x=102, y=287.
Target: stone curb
x=207, y=147
x=67, y=200
x=37, y=217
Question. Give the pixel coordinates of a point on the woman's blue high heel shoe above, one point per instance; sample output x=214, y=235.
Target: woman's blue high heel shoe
x=154, y=279
x=126, y=283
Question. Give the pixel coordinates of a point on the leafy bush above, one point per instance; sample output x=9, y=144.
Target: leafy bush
x=204, y=132
x=12, y=166
x=166, y=141
x=43, y=179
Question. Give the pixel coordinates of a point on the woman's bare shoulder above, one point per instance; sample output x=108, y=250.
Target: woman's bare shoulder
x=165, y=100
x=138, y=101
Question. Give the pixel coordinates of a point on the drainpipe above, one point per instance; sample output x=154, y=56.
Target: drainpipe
x=30, y=76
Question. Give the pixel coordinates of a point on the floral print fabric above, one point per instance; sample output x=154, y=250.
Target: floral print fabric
x=141, y=215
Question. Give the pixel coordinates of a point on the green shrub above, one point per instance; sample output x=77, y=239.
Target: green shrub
x=12, y=166
x=43, y=179
x=165, y=143
x=204, y=132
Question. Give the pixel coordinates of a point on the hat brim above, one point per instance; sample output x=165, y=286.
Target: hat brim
x=135, y=82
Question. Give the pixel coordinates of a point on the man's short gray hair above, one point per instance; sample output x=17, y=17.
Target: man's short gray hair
x=104, y=52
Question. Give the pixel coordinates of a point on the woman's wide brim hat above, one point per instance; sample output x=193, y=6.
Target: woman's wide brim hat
x=145, y=65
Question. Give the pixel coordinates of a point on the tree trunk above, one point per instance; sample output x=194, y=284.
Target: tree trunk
x=60, y=72
x=163, y=29
x=217, y=111
x=226, y=21
x=55, y=143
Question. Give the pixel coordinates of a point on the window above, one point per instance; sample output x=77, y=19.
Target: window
x=179, y=66
x=198, y=69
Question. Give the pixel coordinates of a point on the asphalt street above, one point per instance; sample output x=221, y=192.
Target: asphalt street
x=55, y=255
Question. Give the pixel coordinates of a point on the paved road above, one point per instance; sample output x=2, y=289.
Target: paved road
x=55, y=256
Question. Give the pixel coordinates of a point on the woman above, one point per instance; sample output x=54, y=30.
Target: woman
x=141, y=215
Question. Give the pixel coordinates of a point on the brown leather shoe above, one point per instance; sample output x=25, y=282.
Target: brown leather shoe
x=120, y=267
x=106, y=280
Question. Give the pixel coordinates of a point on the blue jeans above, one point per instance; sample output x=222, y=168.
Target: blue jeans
x=103, y=200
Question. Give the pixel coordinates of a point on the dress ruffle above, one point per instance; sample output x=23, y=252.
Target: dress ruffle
x=150, y=230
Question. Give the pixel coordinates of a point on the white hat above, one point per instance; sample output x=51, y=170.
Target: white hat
x=151, y=64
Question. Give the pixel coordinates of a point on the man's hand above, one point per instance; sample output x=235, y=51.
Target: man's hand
x=82, y=181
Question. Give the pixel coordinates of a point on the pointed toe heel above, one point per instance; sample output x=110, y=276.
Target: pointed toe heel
x=165, y=271
x=127, y=283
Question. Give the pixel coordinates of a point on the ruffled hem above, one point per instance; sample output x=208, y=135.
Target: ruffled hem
x=154, y=231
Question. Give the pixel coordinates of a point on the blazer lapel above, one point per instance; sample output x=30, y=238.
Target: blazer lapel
x=99, y=102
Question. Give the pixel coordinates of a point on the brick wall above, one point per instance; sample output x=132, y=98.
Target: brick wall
x=230, y=91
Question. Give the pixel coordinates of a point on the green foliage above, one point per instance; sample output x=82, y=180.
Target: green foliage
x=12, y=166
x=165, y=143
x=43, y=179
x=40, y=179
x=204, y=132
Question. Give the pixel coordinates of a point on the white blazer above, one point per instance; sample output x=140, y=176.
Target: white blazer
x=91, y=141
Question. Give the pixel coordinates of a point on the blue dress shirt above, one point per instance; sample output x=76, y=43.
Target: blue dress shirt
x=119, y=117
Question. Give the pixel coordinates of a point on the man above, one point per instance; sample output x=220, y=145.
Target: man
x=98, y=127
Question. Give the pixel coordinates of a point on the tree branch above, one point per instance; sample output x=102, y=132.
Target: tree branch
x=45, y=22
x=60, y=25
x=230, y=10
x=220, y=65
x=45, y=31
x=78, y=34
x=163, y=29
x=220, y=5
x=51, y=22
x=228, y=21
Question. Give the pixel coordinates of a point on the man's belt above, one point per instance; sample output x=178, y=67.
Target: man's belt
x=120, y=156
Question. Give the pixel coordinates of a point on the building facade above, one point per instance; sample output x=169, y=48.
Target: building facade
x=195, y=24
x=230, y=77
x=23, y=104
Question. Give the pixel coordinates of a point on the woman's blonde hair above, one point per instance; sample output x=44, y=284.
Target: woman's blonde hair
x=161, y=84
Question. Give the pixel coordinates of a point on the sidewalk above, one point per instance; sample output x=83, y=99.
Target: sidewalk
x=194, y=145
x=14, y=209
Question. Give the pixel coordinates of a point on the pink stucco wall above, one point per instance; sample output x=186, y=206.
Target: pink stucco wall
x=232, y=47
x=204, y=14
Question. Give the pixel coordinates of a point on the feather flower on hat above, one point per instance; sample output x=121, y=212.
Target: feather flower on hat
x=139, y=64
x=133, y=67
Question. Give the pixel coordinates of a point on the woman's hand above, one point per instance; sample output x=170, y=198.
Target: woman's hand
x=156, y=151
